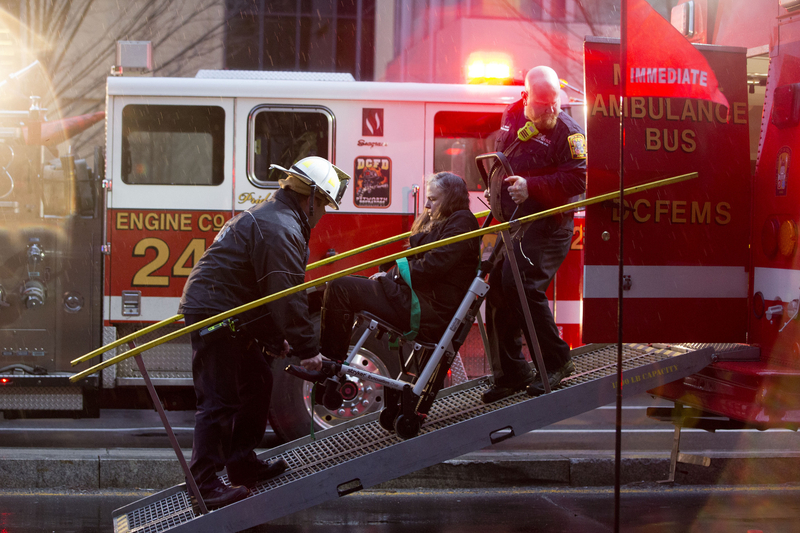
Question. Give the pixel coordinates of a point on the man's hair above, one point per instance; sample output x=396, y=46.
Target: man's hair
x=453, y=196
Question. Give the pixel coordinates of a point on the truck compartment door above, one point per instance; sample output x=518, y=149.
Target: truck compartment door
x=171, y=162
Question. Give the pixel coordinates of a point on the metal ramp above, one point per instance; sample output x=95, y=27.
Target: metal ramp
x=361, y=454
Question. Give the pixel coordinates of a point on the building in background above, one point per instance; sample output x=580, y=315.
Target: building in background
x=385, y=40
x=301, y=35
x=438, y=40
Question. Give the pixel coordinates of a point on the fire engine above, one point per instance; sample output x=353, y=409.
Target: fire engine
x=88, y=257
x=712, y=260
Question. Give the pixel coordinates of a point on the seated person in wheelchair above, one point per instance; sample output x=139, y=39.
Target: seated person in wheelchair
x=439, y=277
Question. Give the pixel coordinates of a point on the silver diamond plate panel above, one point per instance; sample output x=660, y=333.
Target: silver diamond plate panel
x=458, y=374
x=364, y=437
x=41, y=398
x=728, y=351
x=172, y=359
x=109, y=374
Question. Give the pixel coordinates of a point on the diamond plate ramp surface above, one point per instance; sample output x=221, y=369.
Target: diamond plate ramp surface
x=361, y=454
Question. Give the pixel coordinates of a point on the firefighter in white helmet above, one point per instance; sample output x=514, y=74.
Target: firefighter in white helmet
x=261, y=251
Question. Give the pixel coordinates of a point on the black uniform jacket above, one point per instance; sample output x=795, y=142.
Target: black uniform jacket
x=440, y=277
x=259, y=252
x=553, y=162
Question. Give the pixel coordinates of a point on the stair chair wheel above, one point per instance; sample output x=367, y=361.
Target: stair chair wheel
x=387, y=416
x=407, y=427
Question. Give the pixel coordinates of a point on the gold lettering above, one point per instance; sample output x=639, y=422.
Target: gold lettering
x=739, y=113
x=662, y=208
x=615, y=210
x=718, y=108
x=151, y=221
x=172, y=222
x=186, y=222
x=678, y=210
x=653, y=139
x=204, y=222
x=660, y=114
x=701, y=217
x=688, y=145
x=136, y=220
x=599, y=106
x=667, y=135
x=637, y=107
x=122, y=220
x=614, y=105
x=670, y=116
x=617, y=73
x=723, y=210
x=219, y=221
x=688, y=111
x=636, y=214
x=704, y=109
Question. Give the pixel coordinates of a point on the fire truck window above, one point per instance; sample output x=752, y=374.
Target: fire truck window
x=283, y=137
x=460, y=136
x=173, y=145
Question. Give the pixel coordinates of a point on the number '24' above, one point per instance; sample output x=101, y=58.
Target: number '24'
x=144, y=276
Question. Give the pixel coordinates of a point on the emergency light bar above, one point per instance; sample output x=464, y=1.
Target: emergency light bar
x=489, y=68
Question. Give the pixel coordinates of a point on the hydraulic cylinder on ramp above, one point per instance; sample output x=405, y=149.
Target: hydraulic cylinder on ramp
x=361, y=454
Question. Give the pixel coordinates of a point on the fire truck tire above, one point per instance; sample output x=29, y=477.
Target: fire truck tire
x=291, y=406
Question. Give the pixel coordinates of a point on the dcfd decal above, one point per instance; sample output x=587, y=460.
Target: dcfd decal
x=782, y=170
x=373, y=182
x=372, y=122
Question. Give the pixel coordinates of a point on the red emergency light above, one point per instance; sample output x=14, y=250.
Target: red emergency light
x=489, y=67
x=5, y=381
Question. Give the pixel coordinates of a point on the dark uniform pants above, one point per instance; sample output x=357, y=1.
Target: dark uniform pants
x=539, y=253
x=349, y=295
x=233, y=384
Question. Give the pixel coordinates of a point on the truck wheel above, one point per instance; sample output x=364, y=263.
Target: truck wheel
x=290, y=411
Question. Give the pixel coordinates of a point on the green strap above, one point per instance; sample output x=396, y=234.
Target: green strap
x=405, y=273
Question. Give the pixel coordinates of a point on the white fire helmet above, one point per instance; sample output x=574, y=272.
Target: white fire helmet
x=323, y=177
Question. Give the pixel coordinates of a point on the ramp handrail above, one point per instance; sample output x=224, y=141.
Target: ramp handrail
x=352, y=270
x=323, y=262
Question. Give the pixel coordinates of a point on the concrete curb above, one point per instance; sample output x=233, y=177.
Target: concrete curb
x=156, y=469
x=597, y=470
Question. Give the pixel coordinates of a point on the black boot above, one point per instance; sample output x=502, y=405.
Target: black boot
x=219, y=495
x=251, y=473
x=337, y=328
x=553, y=378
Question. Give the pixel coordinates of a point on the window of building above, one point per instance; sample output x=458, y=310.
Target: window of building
x=283, y=136
x=301, y=35
x=173, y=145
x=558, y=9
x=460, y=136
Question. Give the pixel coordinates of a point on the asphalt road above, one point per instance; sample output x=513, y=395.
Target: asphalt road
x=651, y=509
